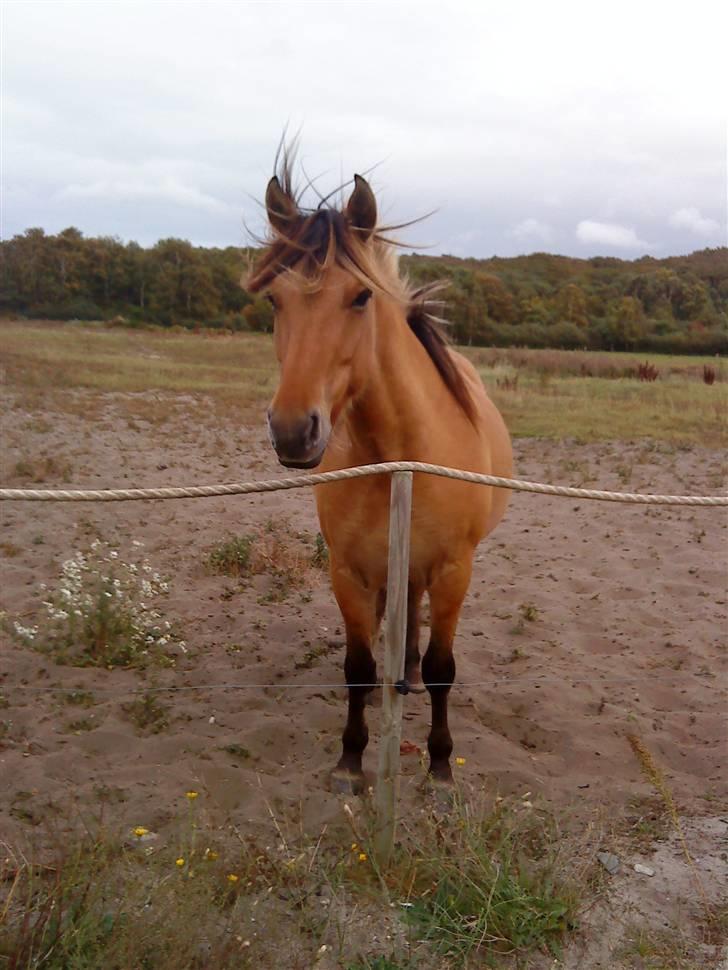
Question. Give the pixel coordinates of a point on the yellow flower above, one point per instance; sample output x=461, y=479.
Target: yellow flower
x=354, y=846
x=180, y=862
x=139, y=831
x=362, y=857
x=211, y=854
x=192, y=795
x=460, y=761
x=232, y=878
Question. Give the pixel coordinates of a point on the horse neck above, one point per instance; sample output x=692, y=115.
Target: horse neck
x=390, y=417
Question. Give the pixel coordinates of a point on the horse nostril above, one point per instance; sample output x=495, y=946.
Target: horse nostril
x=314, y=427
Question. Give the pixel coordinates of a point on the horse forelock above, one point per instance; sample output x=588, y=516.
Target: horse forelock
x=319, y=239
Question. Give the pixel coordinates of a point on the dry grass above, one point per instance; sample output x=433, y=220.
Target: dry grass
x=291, y=559
x=542, y=393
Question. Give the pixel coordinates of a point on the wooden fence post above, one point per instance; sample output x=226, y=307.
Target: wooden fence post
x=395, y=633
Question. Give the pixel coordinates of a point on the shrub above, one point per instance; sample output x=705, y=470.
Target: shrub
x=101, y=614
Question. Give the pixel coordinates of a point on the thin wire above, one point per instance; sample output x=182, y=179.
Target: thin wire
x=496, y=682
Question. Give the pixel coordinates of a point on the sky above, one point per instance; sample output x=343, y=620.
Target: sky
x=576, y=128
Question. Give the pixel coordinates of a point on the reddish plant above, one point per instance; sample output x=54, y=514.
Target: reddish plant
x=647, y=372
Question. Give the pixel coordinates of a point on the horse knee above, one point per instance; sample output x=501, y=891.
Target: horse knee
x=438, y=668
x=360, y=669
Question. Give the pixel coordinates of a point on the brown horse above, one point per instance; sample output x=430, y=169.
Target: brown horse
x=366, y=376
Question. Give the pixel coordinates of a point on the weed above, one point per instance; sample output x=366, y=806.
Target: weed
x=529, y=613
x=648, y=821
x=708, y=374
x=148, y=713
x=80, y=698
x=313, y=654
x=236, y=750
x=231, y=557
x=653, y=773
x=381, y=963
x=320, y=557
x=45, y=469
x=647, y=372
x=508, y=383
x=274, y=550
x=80, y=725
x=100, y=614
x=649, y=949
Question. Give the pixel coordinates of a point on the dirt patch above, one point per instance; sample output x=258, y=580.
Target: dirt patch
x=585, y=622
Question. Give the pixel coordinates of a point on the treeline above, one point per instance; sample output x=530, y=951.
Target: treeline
x=676, y=305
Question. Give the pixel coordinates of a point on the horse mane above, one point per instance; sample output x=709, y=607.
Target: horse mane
x=322, y=237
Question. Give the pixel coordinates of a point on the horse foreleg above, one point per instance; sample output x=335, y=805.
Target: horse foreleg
x=438, y=665
x=359, y=609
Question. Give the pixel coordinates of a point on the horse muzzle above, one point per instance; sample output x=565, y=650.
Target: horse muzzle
x=299, y=442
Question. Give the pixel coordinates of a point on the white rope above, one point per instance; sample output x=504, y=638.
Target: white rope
x=385, y=468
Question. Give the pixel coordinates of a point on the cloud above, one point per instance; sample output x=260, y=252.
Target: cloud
x=609, y=234
x=532, y=229
x=690, y=218
x=169, y=188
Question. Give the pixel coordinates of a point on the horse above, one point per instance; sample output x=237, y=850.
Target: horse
x=366, y=375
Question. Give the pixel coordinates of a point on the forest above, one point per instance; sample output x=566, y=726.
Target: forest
x=678, y=304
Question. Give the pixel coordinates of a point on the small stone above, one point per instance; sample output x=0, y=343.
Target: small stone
x=145, y=840
x=609, y=861
x=645, y=870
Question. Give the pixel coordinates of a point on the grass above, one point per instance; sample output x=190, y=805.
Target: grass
x=473, y=886
x=275, y=550
x=558, y=393
x=645, y=948
x=231, y=557
x=148, y=713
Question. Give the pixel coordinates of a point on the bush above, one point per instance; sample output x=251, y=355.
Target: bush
x=100, y=614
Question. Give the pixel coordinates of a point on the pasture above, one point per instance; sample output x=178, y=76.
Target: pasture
x=586, y=625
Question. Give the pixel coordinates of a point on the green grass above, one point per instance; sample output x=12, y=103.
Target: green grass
x=551, y=398
x=231, y=557
x=209, y=894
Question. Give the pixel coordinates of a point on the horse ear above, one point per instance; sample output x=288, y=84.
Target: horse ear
x=361, y=209
x=281, y=207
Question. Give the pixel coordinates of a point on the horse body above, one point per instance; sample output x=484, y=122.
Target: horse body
x=365, y=377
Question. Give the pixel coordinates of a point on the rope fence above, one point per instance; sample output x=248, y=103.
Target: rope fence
x=345, y=474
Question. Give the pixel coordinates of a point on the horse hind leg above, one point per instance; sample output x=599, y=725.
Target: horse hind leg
x=412, y=672
x=447, y=593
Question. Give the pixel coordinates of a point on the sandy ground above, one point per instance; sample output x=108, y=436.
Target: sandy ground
x=626, y=634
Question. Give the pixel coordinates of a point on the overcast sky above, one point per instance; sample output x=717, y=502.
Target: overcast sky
x=581, y=128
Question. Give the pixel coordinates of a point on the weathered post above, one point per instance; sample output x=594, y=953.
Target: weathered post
x=395, y=634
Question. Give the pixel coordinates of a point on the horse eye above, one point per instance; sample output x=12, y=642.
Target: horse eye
x=361, y=299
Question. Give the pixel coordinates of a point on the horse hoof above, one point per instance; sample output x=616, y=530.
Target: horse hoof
x=344, y=782
x=413, y=680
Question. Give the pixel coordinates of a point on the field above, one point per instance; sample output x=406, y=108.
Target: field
x=146, y=826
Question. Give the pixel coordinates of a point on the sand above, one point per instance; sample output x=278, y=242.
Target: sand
x=585, y=622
